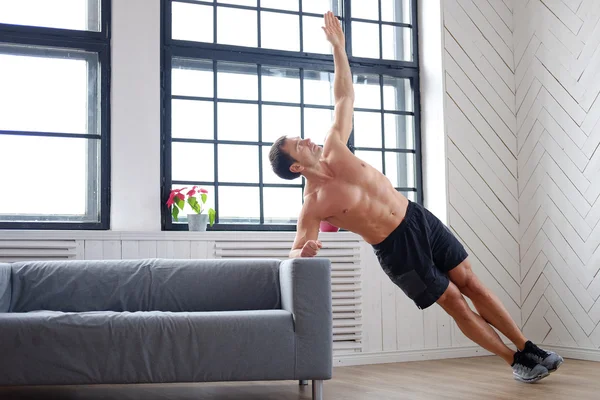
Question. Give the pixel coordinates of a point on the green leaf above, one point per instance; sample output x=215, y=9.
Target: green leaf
x=203, y=195
x=193, y=202
x=175, y=212
x=180, y=203
x=211, y=216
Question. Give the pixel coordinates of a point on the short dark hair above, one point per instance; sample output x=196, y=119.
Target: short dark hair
x=281, y=161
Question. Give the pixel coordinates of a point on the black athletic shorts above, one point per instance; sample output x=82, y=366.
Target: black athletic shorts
x=418, y=254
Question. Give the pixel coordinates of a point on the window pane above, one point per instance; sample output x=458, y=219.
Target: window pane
x=313, y=38
x=52, y=168
x=65, y=14
x=282, y=205
x=399, y=131
x=321, y=6
x=268, y=175
x=368, y=91
x=210, y=203
x=365, y=40
x=397, y=43
x=280, y=31
x=192, y=22
x=291, y=5
x=237, y=81
x=192, y=78
x=367, y=129
x=193, y=162
x=239, y=205
x=192, y=119
x=249, y=3
x=318, y=88
x=278, y=121
x=317, y=122
x=373, y=158
x=237, y=122
x=47, y=94
x=236, y=27
x=400, y=168
x=280, y=84
x=238, y=163
x=396, y=11
x=397, y=94
x=365, y=9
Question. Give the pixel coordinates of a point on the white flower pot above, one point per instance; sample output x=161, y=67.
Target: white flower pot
x=197, y=222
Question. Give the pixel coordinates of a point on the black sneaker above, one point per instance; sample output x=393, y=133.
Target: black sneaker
x=526, y=370
x=548, y=359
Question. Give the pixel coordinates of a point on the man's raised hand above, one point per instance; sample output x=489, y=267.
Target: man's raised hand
x=333, y=30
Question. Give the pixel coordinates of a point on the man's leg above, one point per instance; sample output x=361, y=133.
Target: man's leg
x=487, y=303
x=479, y=331
x=473, y=325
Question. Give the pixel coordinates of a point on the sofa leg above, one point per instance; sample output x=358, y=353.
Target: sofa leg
x=303, y=383
x=317, y=390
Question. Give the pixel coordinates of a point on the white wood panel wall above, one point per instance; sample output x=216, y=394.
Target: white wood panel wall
x=481, y=127
x=557, y=80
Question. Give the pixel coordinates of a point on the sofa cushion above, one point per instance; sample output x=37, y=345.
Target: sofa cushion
x=146, y=285
x=49, y=347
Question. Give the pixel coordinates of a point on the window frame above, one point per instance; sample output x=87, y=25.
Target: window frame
x=57, y=40
x=174, y=48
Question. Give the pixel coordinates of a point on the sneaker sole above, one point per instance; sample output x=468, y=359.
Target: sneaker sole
x=532, y=380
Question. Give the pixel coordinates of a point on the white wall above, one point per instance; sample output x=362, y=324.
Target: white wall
x=135, y=116
x=557, y=80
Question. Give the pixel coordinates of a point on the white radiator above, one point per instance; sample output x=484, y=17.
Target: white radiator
x=345, y=282
x=27, y=250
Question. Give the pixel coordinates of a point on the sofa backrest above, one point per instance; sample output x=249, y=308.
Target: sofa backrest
x=145, y=285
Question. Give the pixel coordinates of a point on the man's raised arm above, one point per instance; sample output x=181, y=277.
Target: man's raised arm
x=343, y=90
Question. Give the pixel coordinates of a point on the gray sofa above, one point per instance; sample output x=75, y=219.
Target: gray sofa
x=157, y=320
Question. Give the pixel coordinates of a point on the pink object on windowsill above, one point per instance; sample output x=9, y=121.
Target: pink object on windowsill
x=327, y=227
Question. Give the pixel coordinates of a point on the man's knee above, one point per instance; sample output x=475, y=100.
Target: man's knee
x=466, y=281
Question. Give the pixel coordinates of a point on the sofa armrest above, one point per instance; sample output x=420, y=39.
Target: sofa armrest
x=5, y=287
x=306, y=293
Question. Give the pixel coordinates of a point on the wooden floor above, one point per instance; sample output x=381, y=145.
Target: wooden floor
x=468, y=378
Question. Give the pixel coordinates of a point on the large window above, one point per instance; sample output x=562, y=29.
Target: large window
x=237, y=74
x=54, y=58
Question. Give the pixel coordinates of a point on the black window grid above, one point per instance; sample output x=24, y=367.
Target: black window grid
x=285, y=59
x=56, y=41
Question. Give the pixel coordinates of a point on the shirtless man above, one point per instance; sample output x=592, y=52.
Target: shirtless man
x=414, y=248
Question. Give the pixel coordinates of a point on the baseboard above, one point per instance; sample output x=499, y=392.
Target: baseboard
x=574, y=353
x=385, y=357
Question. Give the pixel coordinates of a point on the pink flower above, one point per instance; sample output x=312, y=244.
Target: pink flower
x=203, y=191
x=175, y=193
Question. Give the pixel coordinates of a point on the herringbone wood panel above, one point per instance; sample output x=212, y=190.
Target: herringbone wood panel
x=482, y=142
x=557, y=78
x=522, y=85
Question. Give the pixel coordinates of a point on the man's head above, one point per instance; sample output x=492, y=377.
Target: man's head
x=291, y=156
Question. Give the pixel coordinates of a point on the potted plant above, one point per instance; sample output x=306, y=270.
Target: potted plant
x=196, y=221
